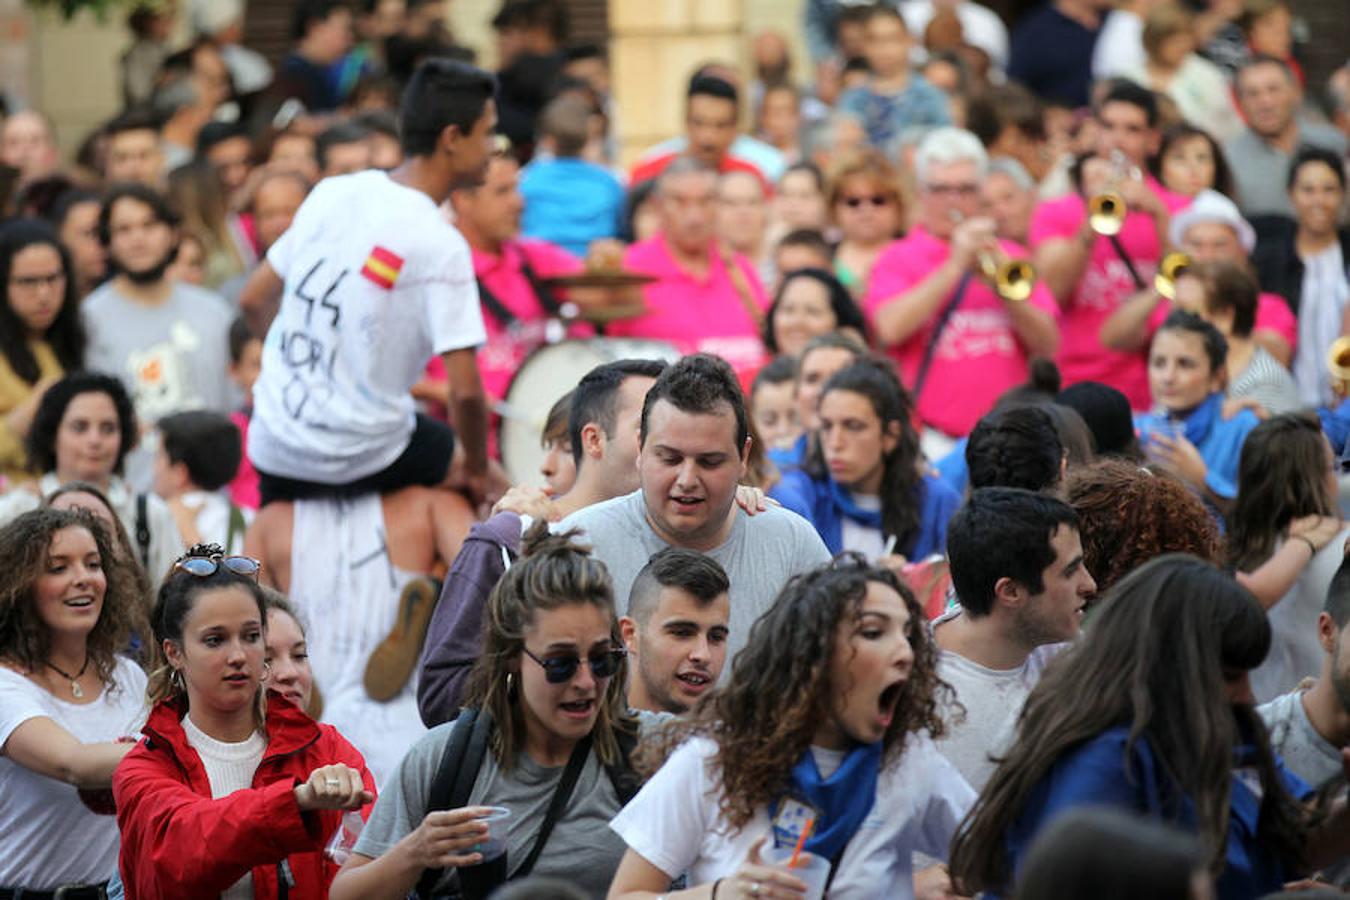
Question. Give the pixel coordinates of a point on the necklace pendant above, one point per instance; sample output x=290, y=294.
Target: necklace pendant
x=76, y=690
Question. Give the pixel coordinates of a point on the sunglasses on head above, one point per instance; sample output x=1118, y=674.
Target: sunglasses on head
x=206, y=566
x=856, y=202
x=561, y=669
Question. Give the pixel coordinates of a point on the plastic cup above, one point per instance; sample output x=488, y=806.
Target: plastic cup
x=498, y=821
x=813, y=870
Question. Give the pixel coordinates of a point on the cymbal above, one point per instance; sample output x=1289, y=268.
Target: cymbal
x=602, y=315
x=607, y=278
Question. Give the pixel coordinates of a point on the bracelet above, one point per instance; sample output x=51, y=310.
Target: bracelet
x=1312, y=548
x=716, y=884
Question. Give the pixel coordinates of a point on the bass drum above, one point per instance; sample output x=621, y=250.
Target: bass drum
x=544, y=376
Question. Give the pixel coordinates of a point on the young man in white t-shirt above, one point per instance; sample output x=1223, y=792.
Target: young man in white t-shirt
x=1017, y=565
x=367, y=284
x=1310, y=726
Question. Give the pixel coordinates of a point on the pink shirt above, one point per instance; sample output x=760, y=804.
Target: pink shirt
x=978, y=355
x=1272, y=314
x=697, y=314
x=504, y=275
x=1106, y=283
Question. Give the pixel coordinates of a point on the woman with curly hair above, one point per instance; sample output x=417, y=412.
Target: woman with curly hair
x=824, y=730
x=1129, y=515
x=869, y=493
x=1151, y=712
x=545, y=709
x=67, y=700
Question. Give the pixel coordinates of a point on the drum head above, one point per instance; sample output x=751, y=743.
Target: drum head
x=546, y=375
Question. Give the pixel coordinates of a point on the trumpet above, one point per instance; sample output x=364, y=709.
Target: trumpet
x=1338, y=363
x=1012, y=279
x=1169, y=270
x=1106, y=211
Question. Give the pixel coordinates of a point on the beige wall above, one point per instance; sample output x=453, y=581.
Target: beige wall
x=71, y=67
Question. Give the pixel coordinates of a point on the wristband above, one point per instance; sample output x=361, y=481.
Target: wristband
x=1312, y=548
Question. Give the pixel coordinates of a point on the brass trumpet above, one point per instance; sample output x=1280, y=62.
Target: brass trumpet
x=1012, y=279
x=1338, y=362
x=1169, y=270
x=1106, y=211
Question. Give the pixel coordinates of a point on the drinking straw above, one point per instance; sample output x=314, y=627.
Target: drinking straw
x=801, y=839
x=889, y=548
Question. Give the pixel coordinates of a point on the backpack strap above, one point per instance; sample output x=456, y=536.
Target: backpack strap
x=143, y=530
x=237, y=527
x=463, y=756
x=626, y=781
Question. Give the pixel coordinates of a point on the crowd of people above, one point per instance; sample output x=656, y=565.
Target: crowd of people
x=940, y=464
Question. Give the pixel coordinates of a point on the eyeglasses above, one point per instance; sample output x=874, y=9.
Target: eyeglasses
x=206, y=566
x=856, y=202
x=959, y=190
x=33, y=282
x=561, y=669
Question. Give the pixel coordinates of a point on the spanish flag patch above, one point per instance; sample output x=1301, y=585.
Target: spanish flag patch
x=382, y=267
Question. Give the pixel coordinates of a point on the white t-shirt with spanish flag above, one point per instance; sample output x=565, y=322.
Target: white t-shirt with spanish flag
x=377, y=282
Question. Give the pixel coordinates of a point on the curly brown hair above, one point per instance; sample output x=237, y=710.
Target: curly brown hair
x=780, y=691
x=24, y=545
x=1129, y=515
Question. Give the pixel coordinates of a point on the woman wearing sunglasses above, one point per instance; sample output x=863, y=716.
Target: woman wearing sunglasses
x=232, y=793
x=67, y=700
x=550, y=684
x=822, y=739
x=865, y=204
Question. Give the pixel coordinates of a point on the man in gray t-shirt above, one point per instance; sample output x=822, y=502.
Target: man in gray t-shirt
x=693, y=441
x=1269, y=96
x=167, y=341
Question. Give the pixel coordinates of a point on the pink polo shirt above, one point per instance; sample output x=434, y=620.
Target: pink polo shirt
x=978, y=355
x=1106, y=283
x=696, y=314
x=504, y=276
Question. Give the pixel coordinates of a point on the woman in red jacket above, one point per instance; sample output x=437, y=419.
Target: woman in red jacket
x=231, y=794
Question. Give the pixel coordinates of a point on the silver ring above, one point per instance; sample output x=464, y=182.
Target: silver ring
x=332, y=782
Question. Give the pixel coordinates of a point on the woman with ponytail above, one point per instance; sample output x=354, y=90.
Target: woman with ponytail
x=234, y=791
x=537, y=761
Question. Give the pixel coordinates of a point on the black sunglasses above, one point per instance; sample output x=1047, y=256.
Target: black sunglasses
x=206, y=566
x=561, y=669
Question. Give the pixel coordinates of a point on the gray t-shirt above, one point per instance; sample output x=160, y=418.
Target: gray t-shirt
x=582, y=849
x=1305, y=752
x=171, y=356
x=1259, y=169
x=760, y=555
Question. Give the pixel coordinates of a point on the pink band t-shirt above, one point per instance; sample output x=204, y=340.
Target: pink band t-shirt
x=978, y=354
x=1106, y=283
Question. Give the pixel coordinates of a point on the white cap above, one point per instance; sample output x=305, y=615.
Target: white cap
x=1211, y=206
x=210, y=17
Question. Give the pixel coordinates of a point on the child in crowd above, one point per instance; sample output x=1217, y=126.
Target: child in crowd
x=892, y=99
x=245, y=361
x=773, y=404
x=198, y=456
x=568, y=200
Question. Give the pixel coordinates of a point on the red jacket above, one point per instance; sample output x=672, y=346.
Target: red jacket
x=177, y=842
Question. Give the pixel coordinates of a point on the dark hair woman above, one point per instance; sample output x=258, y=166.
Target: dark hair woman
x=824, y=730
x=545, y=699
x=1287, y=474
x=41, y=337
x=1151, y=712
x=871, y=496
x=67, y=700
x=83, y=430
x=232, y=793
x=810, y=302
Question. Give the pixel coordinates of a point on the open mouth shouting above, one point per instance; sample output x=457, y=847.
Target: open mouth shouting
x=578, y=709
x=887, y=701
